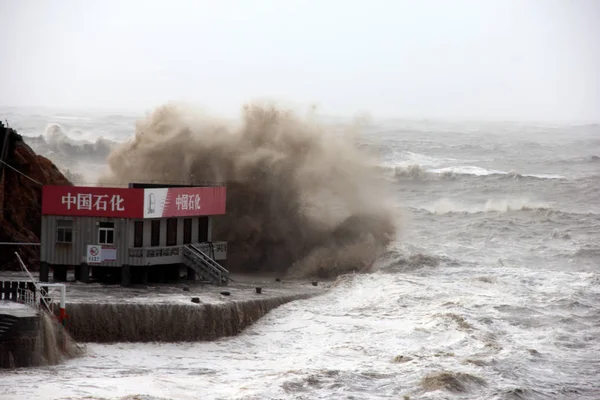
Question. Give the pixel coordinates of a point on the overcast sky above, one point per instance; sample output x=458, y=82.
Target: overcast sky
x=459, y=59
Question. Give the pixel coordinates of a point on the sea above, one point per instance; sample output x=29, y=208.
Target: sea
x=491, y=289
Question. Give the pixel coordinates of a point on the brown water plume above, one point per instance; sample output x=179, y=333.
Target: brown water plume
x=53, y=343
x=302, y=198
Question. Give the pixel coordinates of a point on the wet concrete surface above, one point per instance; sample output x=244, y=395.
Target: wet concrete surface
x=242, y=287
x=15, y=309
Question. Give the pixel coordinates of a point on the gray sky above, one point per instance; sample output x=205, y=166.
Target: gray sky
x=459, y=59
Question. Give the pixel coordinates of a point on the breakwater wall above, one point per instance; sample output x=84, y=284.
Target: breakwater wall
x=167, y=322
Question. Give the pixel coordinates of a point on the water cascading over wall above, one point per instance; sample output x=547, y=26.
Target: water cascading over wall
x=37, y=341
x=131, y=322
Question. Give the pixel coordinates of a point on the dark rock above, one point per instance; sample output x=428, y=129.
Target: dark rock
x=21, y=198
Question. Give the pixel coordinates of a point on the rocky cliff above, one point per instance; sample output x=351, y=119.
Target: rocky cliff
x=22, y=174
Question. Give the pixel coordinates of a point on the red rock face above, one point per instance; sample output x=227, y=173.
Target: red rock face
x=21, y=200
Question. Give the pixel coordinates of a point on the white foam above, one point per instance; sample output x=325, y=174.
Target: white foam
x=55, y=135
x=13, y=305
x=437, y=318
x=545, y=176
x=424, y=160
x=468, y=170
x=405, y=159
x=445, y=206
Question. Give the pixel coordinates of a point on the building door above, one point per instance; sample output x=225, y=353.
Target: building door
x=138, y=234
x=155, y=233
x=187, y=231
x=172, y=232
x=203, y=229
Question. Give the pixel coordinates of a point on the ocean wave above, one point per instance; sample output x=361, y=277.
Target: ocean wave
x=541, y=210
x=394, y=260
x=585, y=251
x=455, y=382
x=479, y=171
x=418, y=172
x=415, y=172
x=55, y=143
x=448, y=206
x=394, y=158
x=79, y=159
x=515, y=175
x=589, y=159
x=467, y=170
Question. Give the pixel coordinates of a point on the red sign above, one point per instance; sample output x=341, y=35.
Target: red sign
x=133, y=203
x=92, y=201
x=184, y=201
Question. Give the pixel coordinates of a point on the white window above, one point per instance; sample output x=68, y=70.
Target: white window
x=64, y=231
x=106, y=233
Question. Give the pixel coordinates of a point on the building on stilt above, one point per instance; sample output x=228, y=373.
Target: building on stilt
x=140, y=234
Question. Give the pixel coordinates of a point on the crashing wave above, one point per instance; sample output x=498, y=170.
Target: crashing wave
x=417, y=172
x=58, y=145
x=297, y=193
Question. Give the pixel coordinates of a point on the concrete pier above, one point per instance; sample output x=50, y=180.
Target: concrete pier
x=98, y=312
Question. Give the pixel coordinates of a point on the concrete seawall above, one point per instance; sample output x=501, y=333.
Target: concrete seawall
x=19, y=328
x=29, y=338
x=94, y=322
x=166, y=313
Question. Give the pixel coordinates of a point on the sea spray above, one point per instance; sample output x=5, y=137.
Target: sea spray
x=298, y=194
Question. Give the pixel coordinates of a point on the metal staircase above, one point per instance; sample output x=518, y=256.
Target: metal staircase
x=207, y=268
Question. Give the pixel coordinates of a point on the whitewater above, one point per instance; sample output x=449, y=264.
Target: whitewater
x=491, y=289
